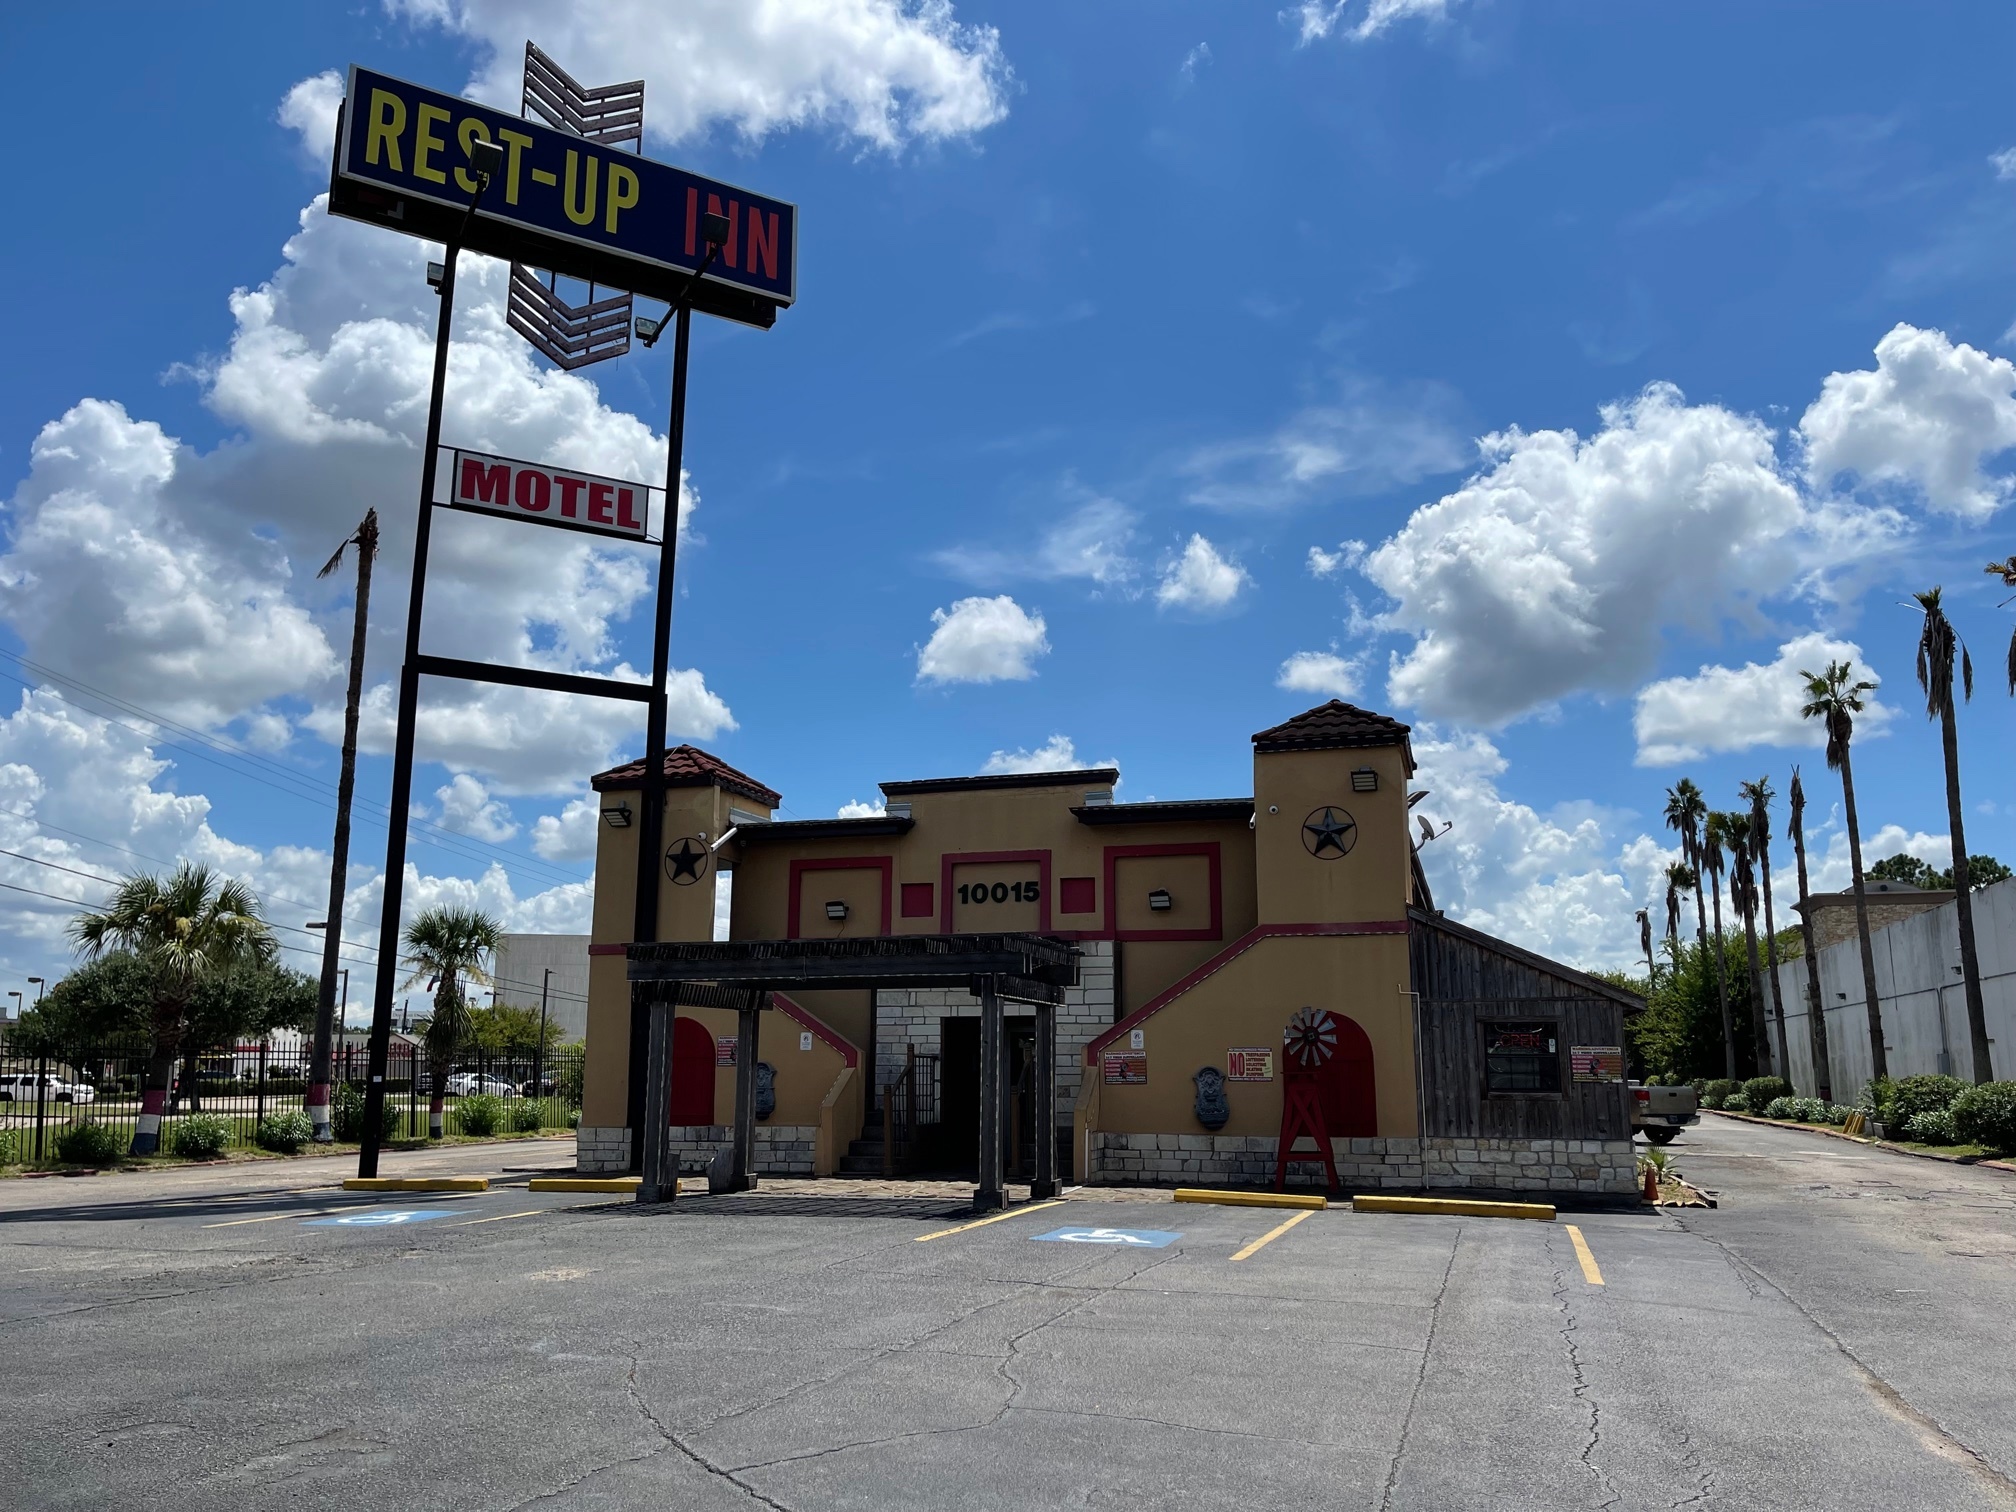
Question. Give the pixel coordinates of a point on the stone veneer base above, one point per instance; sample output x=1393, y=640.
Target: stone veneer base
x=1605, y=1167
x=781, y=1149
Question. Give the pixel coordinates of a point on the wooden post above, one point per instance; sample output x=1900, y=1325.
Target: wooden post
x=988, y=1193
x=1045, y=1100
x=742, y=1159
x=659, y=1166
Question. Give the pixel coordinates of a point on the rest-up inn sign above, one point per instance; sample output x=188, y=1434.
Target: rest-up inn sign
x=550, y=495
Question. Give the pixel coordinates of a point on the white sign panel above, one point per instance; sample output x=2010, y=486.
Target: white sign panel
x=549, y=495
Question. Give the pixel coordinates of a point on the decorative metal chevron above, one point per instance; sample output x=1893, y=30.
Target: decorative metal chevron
x=571, y=335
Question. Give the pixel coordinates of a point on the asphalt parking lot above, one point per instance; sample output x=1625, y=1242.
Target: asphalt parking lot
x=808, y=1349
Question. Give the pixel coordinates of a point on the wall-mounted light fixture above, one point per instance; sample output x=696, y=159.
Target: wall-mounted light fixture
x=1364, y=780
x=836, y=911
x=1159, y=900
x=617, y=817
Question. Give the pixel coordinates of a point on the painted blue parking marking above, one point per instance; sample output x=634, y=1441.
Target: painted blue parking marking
x=381, y=1217
x=1125, y=1238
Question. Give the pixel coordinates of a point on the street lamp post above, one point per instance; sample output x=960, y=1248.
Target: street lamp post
x=539, y=1054
x=36, y=983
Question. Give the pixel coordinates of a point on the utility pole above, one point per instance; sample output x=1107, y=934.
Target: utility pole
x=365, y=539
x=539, y=1059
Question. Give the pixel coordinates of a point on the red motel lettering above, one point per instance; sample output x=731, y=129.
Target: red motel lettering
x=548, y=495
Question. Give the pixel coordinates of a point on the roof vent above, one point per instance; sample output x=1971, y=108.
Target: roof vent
x=1098, y=797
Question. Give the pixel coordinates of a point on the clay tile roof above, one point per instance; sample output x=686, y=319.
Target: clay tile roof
x=689, y=766
x=1334, y=726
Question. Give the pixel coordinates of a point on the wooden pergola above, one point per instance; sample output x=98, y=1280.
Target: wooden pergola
x=741, y=974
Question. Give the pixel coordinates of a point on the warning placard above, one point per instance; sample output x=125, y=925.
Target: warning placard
x=1596, y=1063
x=1249, y=1064
x=1125, y=1068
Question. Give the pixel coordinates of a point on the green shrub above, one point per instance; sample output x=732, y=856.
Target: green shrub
x=202, y=1136
x=1762, y=1091
x=1875, y=1098
x=1718, y=1089
x=1986, y=1115
x=284, y=1133
x=10, y=1149
x=1811, y=1110
x=1781, y=1107
x=1837, y=1113
x=1735, y=1102
x=346, y=1114
x=481, y=1114
x=89, y=1142
x=1934, y=1127
x=1708, y=1101
x=1922, y=1094
x=573, y=1118
x=526, y=1116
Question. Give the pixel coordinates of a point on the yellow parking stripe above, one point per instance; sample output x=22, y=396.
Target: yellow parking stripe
x=1589, y=1271
x=267, y=1218
x=1030, y=1207
x=1272, y=1234
x=528, y=1213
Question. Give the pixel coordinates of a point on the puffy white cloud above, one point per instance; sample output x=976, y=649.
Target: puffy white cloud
x=310, y=109
x=982, y=640
x=2004, y=163
x=1722, y=709
x=1323, y=564
x=570, y=834
x=1318, y=19
x=1090, y=543
x=1927, y=418
x=882, y=71
x=1555, y=882
x=468, y=809
x=1829, y=865
x=1057, y=754
x=1366, y=441
x=1193, y=60
x=1560, y=566
x=1321, y=672
x=854, y=808
x=1201, y=579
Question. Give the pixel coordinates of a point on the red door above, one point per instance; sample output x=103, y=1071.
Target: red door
x=692, y=1097
x=1344, y=1082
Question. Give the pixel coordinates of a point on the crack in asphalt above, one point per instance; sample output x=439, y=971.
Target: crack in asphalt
x=1703, y=1476
x=1938, y=1438
x=1583, y=1391
x=1421, y=1374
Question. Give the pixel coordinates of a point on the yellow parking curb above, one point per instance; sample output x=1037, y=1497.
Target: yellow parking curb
x=1459, y=1207
x=1252, y=1199
x=416, y=1184
x=584, y=1183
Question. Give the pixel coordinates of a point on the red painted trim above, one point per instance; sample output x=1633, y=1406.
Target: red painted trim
x=988, y=858
x=1225, y=958
x=595, y=950
x=819, y=1027
x=1209, y=849
x=922, y=892
x=884, y=864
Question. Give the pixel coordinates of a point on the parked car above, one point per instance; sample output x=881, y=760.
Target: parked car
x=468, y=1083
x=547, y=1086
x=1659, y=1113
x=21, y=1088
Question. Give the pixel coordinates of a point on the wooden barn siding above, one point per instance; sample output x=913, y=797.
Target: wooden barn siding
x=1462, y=985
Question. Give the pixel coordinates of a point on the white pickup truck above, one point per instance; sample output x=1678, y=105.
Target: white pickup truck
x=1660, y=1113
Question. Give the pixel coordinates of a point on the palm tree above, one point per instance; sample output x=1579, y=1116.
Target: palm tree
x=1713, y=861
x=2007, y=572
x=1685, y=809
x=1645, y=943
x=1936, y=644
x=450, y=945
x=1835, y=696
x=1743, y=893
x=1816, y=1019
x=1760, y=795
x=186, y=929
x=1679, y=880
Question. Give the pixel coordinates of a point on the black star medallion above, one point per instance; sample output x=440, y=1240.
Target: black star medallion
x=1329, y=833
x=686, y=862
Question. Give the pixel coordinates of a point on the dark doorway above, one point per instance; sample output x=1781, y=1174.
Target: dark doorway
x=692, y=1100
x=959, y=1095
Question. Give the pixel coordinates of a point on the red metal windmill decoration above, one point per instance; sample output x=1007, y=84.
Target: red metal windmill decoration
x=1307, y=1044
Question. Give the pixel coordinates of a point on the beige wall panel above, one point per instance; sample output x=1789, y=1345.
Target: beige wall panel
x=859, y=888
x=1249, y=1002
x=1371, y=882
x=1149, y=968
x=986, y=882
x=1187, y=880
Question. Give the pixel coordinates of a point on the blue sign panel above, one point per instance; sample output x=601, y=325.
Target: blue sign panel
x=560, y=201
x=382, y=1217
x=1124, y=1238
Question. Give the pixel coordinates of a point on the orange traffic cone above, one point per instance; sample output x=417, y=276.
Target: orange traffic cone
x=1651, y=1190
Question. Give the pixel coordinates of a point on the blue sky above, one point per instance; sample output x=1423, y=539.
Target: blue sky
x=1108, y=315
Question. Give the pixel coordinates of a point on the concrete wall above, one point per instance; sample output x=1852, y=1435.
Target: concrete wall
x=1582, y=1166
x=523, y=959
x=1923, y=1002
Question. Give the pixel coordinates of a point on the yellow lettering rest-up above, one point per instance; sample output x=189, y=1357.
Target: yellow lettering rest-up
x=425, y=143
x=585, y=214
x=622, y=193
x=517, y=142
x=388, y=121
x=468, y=133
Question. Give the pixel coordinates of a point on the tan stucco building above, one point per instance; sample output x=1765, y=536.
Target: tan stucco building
x=1202, y=927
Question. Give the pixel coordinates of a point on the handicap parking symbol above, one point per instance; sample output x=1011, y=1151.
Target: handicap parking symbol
x=380, y=1218
x=1124, y=1238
